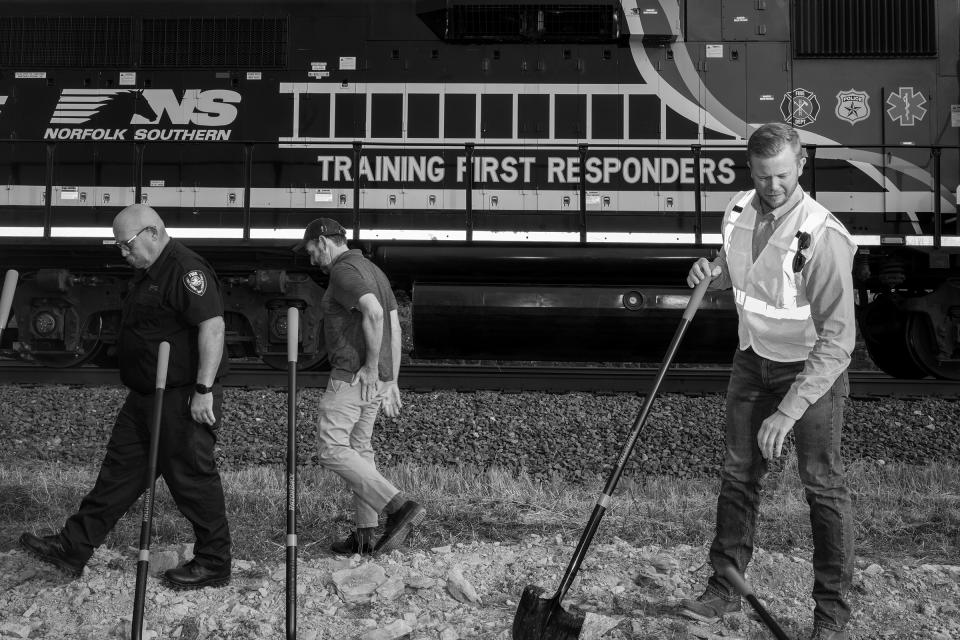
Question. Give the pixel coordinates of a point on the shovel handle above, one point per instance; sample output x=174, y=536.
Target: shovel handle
x=604, y=499
x=149, y=495
x=741, y=585
x=293, y=333
x=738, y=582
x=163, y=359
x=6, y=297
x=695, y=299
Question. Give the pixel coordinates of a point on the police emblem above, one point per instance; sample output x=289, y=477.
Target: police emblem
x=195, y=282
x=852, y=106
x=800, y=107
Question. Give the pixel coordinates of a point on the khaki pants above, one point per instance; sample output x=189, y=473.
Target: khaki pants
x=344, y=444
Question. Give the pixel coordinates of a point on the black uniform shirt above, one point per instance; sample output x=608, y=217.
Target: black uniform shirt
x=166, y=302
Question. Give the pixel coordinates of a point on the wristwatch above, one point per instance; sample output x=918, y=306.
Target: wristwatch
x=202, y=388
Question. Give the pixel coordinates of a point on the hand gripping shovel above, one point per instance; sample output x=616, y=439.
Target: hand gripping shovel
x=539, y=618
x=6, y=297
x=741, y=585
x=293, y=329
x=143, y=561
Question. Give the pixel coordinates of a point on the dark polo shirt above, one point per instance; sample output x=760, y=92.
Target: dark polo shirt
x=351, y=277
x=167, y=301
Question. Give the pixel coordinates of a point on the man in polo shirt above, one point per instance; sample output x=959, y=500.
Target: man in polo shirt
x=174, y=296
x=789, y=262
x=362, y=333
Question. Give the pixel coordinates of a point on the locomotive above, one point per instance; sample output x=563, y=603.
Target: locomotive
x=538, y=176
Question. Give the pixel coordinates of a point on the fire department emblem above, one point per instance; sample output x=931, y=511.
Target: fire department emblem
x=195, y=282
x=852, y=106
x=800, y=107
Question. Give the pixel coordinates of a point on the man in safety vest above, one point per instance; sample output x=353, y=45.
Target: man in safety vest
x=789, y=262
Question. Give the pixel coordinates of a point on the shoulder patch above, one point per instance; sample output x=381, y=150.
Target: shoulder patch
x=195, y=282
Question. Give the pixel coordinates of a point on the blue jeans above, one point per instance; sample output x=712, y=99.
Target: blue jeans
x=756, y=387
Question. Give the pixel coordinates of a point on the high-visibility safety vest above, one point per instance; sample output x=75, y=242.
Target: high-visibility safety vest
x=772, y=299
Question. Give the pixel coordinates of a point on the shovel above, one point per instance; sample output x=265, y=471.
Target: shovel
x=143, y=561
x=741, y=585
x=293, y=329
x=540, y=618
x=6, y=297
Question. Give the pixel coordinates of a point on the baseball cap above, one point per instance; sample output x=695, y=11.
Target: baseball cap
x=320, y=227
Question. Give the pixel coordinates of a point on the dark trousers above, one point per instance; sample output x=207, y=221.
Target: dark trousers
x=756, y=387
x=185, y=460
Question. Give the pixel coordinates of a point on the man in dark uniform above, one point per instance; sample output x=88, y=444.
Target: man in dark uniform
x=174, y=296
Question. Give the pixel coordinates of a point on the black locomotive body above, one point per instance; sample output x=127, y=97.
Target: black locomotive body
x=538, y=175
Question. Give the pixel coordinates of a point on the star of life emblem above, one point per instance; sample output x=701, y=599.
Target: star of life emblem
x=906, y=106
x=195, y=282
x=800, y=107
x=852, y=106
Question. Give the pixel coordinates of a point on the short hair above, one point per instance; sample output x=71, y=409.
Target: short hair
x=770, y=139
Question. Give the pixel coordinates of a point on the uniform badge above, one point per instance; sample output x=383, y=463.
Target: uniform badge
x=195, y=282
x=852, y=106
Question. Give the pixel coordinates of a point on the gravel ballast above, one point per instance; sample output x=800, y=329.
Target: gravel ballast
x=571, y=436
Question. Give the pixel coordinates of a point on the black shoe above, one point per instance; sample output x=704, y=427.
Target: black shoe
x=50, y=549
x=399, y=525
x=359, y=541
x=194, y=576
x=709, y=607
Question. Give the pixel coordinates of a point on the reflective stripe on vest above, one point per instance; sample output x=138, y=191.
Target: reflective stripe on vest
x=758, y=306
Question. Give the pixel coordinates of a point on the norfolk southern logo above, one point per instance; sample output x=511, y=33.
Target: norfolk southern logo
x=149, y=114
x=906, y=105
x=852, y=106
x=800, y=107
x=195, y=282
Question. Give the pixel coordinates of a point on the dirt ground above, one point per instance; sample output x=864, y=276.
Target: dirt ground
x=417, y=593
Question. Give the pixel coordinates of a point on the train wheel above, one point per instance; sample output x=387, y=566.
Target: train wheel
x=926, y=351
x=883, y=325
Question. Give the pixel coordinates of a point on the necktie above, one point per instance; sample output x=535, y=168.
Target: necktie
x=762, y=232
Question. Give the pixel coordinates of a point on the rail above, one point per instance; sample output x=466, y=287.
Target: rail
x=509, y=379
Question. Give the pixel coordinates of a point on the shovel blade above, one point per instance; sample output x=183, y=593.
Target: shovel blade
x=540, y=618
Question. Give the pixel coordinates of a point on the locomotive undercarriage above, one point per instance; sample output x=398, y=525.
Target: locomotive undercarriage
x=64, y=320
x=909, y=316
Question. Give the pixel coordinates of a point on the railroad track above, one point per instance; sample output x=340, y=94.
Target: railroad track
x=864, y=384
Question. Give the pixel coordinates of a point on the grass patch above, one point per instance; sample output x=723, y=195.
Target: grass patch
x=901, y=510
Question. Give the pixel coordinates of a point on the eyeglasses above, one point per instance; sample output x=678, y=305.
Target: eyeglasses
x=128, y=244
x=803, y=243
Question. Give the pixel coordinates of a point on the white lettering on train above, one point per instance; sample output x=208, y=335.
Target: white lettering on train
x=211, y=108
x=192, y=135
x=66, y=133
x=180, y=135
x=520, y=169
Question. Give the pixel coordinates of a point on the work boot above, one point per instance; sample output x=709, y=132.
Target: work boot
x=359, y=541
x=709, y=607
x=194, y=576
x=399, y=525
x=822, y=633
x=50, y=549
